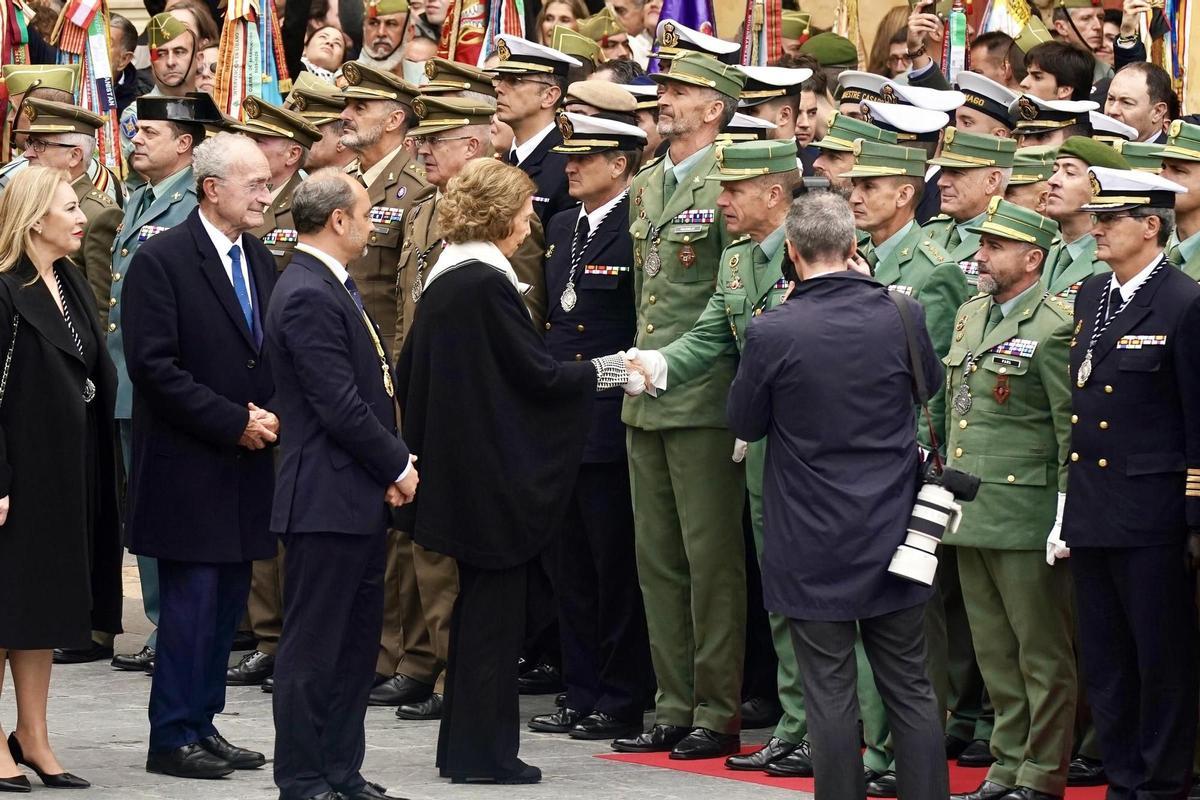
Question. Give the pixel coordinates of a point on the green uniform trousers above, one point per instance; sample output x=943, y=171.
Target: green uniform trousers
x=687, y=515
x=793, y=725
x=1021, y=619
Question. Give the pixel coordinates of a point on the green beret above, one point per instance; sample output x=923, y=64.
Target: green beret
x=831, y=50
x=1092, y=153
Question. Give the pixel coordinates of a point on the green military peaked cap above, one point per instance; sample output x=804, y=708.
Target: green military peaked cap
x=831, y=50
x=382, y=8
x=20, y=78
x=368, y=83
x=47, y=116
x=1010, y=221
x=842, y=131
x=1143, y=156
x=265, y=119
x=745, y=160
x=316, y=100
x=1092, y=153
x=574, y=44
x=971, y=150
x=1183, y=141
x=438, y=113
x=1033, y=164
x=879, y=160
x=164, y=28
x=700, y=69
x=453, y=76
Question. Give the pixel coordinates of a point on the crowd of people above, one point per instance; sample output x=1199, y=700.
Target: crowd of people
x=614, y=370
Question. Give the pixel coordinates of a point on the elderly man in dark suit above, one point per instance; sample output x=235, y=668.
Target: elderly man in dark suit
x=201, y=478
x=839, y=485
x=341, y=459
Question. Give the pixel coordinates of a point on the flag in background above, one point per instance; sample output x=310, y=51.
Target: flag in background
x=463, y=31
x=1006, y=16
x=507, y=17
x=762, y=37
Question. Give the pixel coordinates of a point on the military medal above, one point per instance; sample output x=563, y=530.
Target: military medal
x=1085, y=370
x=687, y=256
x=961, y=402
x=387, y=380
x=1001, y=391
x=89, y=391
x=653, y=262
x=568, y=297
x=1103, y=320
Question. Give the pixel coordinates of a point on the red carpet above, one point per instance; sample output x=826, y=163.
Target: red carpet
x=962, y=779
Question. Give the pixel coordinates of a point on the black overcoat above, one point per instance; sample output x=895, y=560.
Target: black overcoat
x=497, y=423
x=58, y=581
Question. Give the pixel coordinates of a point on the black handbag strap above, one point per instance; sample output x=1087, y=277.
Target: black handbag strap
x=914, y=362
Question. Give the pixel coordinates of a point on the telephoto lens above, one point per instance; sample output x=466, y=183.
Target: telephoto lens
x=934, y=513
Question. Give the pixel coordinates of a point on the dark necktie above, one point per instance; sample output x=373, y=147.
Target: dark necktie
x=581, y=236
x=146, y=201
x=352, y=288
x=955, y=238
x=671, y=183
x=512, y=158
x=995, y=316
x=1114, y=302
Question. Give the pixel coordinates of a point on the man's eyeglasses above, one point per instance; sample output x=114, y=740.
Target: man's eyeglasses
x=1108, y=219
x=434, y=141
x=517, y=79
x=39, y=145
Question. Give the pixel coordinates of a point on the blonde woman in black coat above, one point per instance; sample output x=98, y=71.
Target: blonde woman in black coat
x=60, y=552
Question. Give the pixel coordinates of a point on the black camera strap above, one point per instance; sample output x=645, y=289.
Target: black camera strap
x=914, y=362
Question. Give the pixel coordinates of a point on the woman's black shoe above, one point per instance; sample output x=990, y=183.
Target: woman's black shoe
x=61, y=780
x=16, y=784
x=527, y=774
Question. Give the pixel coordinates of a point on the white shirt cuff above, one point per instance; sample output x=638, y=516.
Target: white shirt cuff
x=404, y=474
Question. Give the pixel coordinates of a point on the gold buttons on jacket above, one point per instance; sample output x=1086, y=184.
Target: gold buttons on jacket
x=653, y=299
x=112, y=302
x=962, y=423
x=579, y=356
x=1011, y=479
x=579, y=328
x=116, y=276
x=958, y=452
x=124, y=251
x=1074, y=418
x=548, y=326
x=1103, y=425
x=1103, y=462
x=373, y=239
x=650, y=328
x=112, y=326
x=1004, y=370
x=1108, y=389
x=1074, y=456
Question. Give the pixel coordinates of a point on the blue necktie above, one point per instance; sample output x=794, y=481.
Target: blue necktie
x=239, y=287
x=352, y=288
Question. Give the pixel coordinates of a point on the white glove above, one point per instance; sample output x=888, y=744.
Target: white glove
x=655, y=364
x=1055, y=547
x=739, y=451
x=636, y=382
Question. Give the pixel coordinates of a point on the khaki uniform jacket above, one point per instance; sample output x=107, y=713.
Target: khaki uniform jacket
x=941, y=230
x=278, y=231
x=1016, y=436
x=1064, y=275
x=688, y=231
x=94, y=258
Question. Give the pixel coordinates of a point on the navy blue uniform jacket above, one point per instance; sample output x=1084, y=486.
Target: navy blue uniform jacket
x=549, y=171
x=825, y=377
x=1126, y=481
x=195, y=495
x=340, y=449
x=604, y=319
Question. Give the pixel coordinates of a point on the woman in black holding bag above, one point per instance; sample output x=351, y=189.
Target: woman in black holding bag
x=60, y=550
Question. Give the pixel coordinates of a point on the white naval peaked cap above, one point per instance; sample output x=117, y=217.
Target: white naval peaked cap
x=986, y=95
x=854, y=84
x=778, y=77
x=745, y=121
x=1122, y=189
x=675, y=36
x=906, y=119
x=589, y=125
x=1105, y=127
x=922, y=97
x=523, y=56
x=584, y=134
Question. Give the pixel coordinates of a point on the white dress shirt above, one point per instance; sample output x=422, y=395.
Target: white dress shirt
x=222, y=244
x=596, y=217
x=526, y=148
x=1130, y=286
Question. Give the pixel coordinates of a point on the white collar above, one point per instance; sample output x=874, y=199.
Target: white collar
x=220, y=241
x=334, y=266
x=596, y=217
x=455, y=254
x=526, y=148
x=1130, y=286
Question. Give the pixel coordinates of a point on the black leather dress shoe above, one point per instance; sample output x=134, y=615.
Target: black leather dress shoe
x=560, y=721
x=796, y=764
x=986, y=791
x=1085, y=771
x=955, y=746
x=760, y=712
x=771, y=752
x=268, y=686
x=1025, y=793
x=429, y=708
x=883, y=785
x=326, y=796
x=542, y=679
x=599, y=725
x=243, y=640
x=82, y=655
x=526, y=774
x=149, y=669
x=254, y=668
x=236, y=757
x=18, y=784
x=977, y=754
x=399, y=690
x=369, y=791
x=134, y=663
x=59, y=780
x=705, y=743
x=189, y=761
x=658, y=739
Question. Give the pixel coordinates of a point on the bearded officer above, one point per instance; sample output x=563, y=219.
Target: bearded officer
x=757, y=180
x=688, y=534
x=1009, y=405
x=377, y=117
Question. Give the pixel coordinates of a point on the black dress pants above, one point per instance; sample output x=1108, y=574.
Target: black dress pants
x=325, y=666
x=1137, y=631
x=479, y=736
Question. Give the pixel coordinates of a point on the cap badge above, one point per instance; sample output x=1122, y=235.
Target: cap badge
x=30, y=113
x=1096, y=188
x=888, y=94
x=430, y=69
x=299, y=103
x=720, y=156
x=1027, y=108
x=420, y=109
x=948, y=137
x=502, y=49
x=252, y=108
x=670, y=37
x=994, y=204
x=352, y=74
x=565, y=127
x=1176, y=127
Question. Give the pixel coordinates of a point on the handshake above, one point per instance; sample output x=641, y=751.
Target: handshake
x=647, y=371
x=403, y=491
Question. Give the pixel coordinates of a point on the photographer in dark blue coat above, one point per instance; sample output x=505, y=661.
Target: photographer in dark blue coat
x=826, y=377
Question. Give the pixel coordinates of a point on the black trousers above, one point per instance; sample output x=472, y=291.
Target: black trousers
x=1137, y=630
x=201, y=605
x=606, y=651
x=332, y=620
x=895, y=647
x=479, y=736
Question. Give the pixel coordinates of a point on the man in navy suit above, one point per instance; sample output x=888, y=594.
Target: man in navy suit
x=201, y=476
x=342, y=464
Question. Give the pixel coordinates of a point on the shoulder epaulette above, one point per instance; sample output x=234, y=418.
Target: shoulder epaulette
x=101, y=197
x=649, y=164
x=935, y=251
x=1062, y=308
x=739, y=240
x=938, y=218
x=975, y=298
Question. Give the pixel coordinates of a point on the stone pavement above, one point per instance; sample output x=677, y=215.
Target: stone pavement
x=98, y=728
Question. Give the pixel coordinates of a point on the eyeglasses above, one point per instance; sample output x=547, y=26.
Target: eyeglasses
x=251, y=188
x=1108, y=219
x=39, y=145
x=897, y=60
x=434, y=141
x=517, y=79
